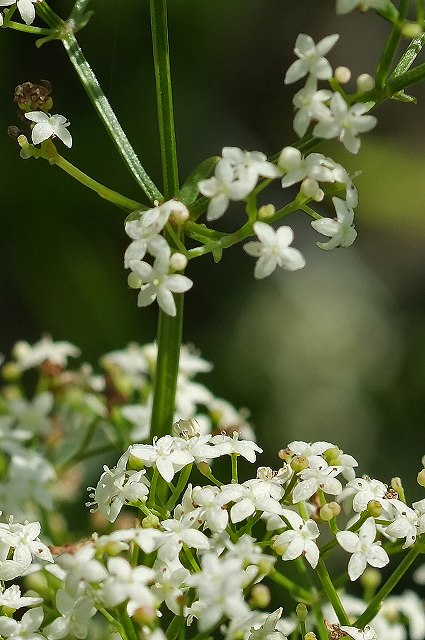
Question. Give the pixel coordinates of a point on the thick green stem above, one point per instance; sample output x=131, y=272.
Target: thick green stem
x=164, y=97
x=167, y=367
x=108, y=117
x=388, y=587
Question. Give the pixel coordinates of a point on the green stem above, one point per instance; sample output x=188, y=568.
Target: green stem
x=100, y=189
x=295, y=591
x=108, y=117
x=181, y=486
x=173, y=628
x=389, y=585
x=164, y=96
x=331, y=593
x=234, y=457
x=78, y=10
x=127, y=624
x=406, y=79
x=37, y=31
x=169, y=338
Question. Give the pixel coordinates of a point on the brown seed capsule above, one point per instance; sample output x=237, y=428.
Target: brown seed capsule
x=31, y=97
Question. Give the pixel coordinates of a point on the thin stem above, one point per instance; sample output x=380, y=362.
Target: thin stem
x=169, y=338
x=331, y=593
x=108, y=117
x=388, y=587
x=100, y=189
x=37, y=31
x=78, y=10
x=295, y=591
x=161, y=54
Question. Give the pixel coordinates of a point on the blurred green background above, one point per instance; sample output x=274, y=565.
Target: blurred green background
x=336, y=351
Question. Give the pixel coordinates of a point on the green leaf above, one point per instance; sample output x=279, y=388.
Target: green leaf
x=404, y=97
x=217, y=255
x=189, y=191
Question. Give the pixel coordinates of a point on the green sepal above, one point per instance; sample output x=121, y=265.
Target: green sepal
x=189, y=191
x=404, y=97
x=135, y=215
x=217, y=255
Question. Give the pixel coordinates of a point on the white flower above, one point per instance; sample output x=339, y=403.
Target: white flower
x=116, y=487
x=339, y=229
x=224, y=186
x=309, y=102
x=268, y=630
x=139, y=416
x=363, y=548
x=405, y=524
x=250, y=165
x=345, y=6
x=360, y=634
x=344, y=122
x=156, y=283
x=170, y=584
x=311, y=58
x=75, y=616
x=24, y=539
x=81, y=565
x=181, y=531
x=273, y=250
x=48, y=126
x=12, y=598
x=307, y=449
x=227, y=445
x=127, y=583
x=299, y=540
x=213, y=512
x=407, y=604
x=145, y=234
x=25, y=628
x=219, y=586
x=319, y=475
x=45, y=350
x=164, y=454
x=25, y=7
x=365, y=490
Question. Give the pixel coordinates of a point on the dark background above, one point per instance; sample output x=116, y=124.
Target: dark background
x=335, y=351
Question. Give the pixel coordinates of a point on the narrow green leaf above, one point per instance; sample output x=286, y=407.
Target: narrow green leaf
x=189, y=191
x=404, y=97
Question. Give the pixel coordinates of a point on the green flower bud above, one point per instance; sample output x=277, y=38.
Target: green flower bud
x=260, y=596
x=310, y=636
x=370, y=579
x=326, y=513
x=421, y=478
x=374, y=508
x=302, y=612
x=266, y=211
x=299, y=463
x=150, y=522
x=411, y=30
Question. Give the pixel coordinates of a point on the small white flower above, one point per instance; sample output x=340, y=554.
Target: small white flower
x=226, y=185
x=45, y=350
x=25, y=628
x=127, y=583
x=345, y=6
x=299, y=540
x=12, y=598
x=75, y=616
x=405, y=524
x=319, y=475
x=156, y=283
x=311, y=58
x=310, y=104
x=273, y=250
x=363, y=548
x=344, y=122
x=48, y=126
x=268, y=630
x=250, y=165
x=145, y=234
x=360, y=634
x=340, y=230
x=25, y=7
x=164, y=454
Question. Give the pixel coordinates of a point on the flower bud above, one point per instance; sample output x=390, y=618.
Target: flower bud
x=150, y=522
x=178, y=261
x=326, y=513
x=135, y=463
x=411, y=30
x=310, y=188
x=310, y=636
x=133, y=281
x=331, y=456
x=365, y=82
x=374, y=508
x=342, y=75
x=371, y=579
x=299, y=463
x=336, y=508
x=266, y=211
x=260, y=596
x=397, y=485
x=265, y=566
x=144, y=615
x=421, y=478
x=423, y=461
x=286, y=455
x=289, y=158
x=204, y=468
x=302, y=612
x=11, y=372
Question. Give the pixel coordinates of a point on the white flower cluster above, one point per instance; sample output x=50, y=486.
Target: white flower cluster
x=206, y=557
x=157, y=281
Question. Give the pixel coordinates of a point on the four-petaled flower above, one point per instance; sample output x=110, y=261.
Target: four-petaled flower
x=340, y=230
x=47, y=126
x=363, y=548
x=273, y=250
x=25, y=7
x=311, y=58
